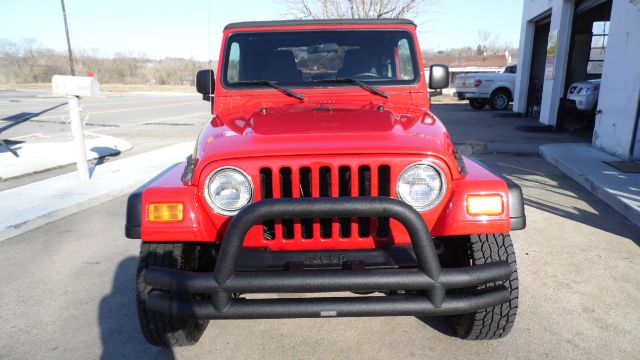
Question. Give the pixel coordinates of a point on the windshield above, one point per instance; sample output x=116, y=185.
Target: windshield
x=511, y=69
x=301, y=58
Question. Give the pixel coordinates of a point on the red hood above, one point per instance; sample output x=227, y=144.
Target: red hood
x=307, y=129
x=311, y=119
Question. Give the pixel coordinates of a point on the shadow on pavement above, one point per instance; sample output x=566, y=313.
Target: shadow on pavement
x=10, y=145
x=104, y=153
x=17, y=119
x=559, y=195
x=119, y=330
x=438, y=323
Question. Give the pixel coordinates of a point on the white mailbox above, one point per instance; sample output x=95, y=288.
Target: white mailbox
x=74, y=85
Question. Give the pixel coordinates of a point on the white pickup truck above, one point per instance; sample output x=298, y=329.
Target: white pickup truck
x=487, y=88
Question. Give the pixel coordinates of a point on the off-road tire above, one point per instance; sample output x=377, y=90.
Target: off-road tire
x=478, y=104
x=499, y=100
x=160, y=329
x=494, y=322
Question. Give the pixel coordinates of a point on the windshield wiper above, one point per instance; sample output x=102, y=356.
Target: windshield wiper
x=274, y=85
x=357, y=82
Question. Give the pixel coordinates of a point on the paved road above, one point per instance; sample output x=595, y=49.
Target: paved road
x=66, y=289
x=105, y=111
x=147, y=121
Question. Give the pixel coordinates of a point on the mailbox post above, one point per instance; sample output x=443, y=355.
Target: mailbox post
x=73, y=87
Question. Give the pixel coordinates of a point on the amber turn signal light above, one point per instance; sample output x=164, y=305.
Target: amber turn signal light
x=165, y=212
x=478, y=205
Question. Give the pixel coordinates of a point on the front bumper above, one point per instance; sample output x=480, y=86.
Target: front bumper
x=466, y=94
x=581, y=102
x=425, y=285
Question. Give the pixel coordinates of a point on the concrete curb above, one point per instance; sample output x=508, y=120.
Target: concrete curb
x=42, y=202
x=584, y=164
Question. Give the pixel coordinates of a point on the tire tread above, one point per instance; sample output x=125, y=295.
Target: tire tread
x=495, y=322
x=160, y=329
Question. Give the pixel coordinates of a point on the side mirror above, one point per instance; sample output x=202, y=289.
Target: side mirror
x=205, y=82
x=438, y=77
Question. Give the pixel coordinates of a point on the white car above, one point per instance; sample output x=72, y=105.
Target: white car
x=584, y=95
x=481, y=89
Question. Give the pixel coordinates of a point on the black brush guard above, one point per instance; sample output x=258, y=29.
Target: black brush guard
x=426, y=285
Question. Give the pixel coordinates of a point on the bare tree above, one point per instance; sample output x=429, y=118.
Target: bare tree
x=27, y=62
x=355, y=9
x=491, y=44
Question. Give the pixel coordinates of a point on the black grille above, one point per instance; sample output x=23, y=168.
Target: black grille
x=326, y=188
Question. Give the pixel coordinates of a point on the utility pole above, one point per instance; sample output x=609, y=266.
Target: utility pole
x=66, y=28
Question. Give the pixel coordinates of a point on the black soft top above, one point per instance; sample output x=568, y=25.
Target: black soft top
x=248, y=24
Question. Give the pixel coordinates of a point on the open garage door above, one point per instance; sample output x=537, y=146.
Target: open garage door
x=538, y=61
x=589, y=36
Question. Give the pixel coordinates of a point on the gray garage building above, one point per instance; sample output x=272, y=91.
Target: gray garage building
x=565, y=41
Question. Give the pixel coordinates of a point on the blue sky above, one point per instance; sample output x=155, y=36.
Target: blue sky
x=180, y=28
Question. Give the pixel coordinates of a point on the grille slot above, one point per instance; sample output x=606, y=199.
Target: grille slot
x=384, y=189
x=325, y=191
x=324, y=182
x=344, y=189
x=364, y=189
x=306, y=191
x=266, y=190
x=286, y=191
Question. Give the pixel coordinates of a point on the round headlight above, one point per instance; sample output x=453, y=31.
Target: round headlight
x=421, y=185
x=228, y=190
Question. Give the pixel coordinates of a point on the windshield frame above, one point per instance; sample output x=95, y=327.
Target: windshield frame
x=418, y=70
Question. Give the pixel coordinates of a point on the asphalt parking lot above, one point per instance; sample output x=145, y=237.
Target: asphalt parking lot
x=67, y=288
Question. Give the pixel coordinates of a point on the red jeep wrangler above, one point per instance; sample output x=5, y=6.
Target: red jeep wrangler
x=324, y=171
